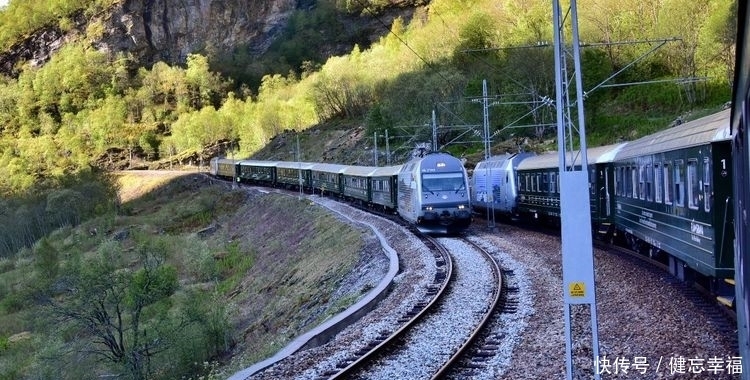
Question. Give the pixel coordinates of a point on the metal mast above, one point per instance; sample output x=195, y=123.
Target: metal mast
x=577, y=251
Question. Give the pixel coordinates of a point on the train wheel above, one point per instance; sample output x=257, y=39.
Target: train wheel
x=633, y=243
x=653, y=252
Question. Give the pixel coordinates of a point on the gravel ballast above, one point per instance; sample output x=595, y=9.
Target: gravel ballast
x=647, y=326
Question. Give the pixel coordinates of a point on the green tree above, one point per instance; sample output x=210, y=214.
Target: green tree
x=108, y=302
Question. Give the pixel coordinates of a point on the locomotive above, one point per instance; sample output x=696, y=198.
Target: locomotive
x=430, y=191
x=667, y=195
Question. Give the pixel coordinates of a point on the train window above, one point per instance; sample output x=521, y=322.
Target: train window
x=533, y=183
x=706, y=185
x=679, y=183
x=626, y=182
x=649, y=180
x=658, y=182
x=634, y=182
x=433, y=182
x=545, y=183
x=618, y=181
x=553, y=182
x=642, y=182
x=536, y=179
x=693, y=186
x=668, y=183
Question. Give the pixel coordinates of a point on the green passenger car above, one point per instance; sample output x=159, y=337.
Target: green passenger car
x=357, y=183
x=290, y=174
x=261, y=172
x=384, y=184
x=539, y=186
x=673, y=196
x=327, y=178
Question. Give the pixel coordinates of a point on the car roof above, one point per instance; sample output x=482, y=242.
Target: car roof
x=700, y=131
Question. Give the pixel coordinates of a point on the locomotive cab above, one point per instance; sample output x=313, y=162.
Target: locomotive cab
x=433, y=192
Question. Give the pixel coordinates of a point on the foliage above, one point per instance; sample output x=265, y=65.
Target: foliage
x=21, y=18
x=83, y=106
x=131, y=315
x=27, y=218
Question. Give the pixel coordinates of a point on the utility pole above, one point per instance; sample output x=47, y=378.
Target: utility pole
x=487, y=154
x=434, y=132
x=375, y=149
x=299, y=171
x=575, y=209
x=387, y=150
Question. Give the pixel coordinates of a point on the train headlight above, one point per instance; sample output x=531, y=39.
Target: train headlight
x=461, y=207
x=428, y=208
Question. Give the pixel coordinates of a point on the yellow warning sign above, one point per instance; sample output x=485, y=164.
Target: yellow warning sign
x=577, y=289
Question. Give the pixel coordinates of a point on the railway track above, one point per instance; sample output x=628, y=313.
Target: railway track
x=719, y=313
x=443, y=338
x=351, y=365
x=724, y=318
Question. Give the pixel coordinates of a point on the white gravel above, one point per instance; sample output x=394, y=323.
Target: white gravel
x=430, y=344
x=641, y=315
x=417, y=266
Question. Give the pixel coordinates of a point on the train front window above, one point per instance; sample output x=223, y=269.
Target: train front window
x=434, y=182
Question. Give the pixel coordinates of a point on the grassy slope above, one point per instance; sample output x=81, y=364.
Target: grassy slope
x=287, y=267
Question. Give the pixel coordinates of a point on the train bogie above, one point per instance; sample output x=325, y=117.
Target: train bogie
x=434, y=191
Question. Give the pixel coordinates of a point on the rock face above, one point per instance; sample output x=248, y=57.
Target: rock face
x=169, y=30
x=166, y=30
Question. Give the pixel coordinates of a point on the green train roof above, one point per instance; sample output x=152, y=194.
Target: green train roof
x=693, y=133
x=550, y=160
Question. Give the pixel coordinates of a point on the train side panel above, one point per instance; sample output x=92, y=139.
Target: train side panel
x=327, y=178
x=384, y=185
x=538, y=188
x=500, y=173
x=225, y=168
x=258, y=172
x=357, y=183
x=673, y=195
x=290, y=174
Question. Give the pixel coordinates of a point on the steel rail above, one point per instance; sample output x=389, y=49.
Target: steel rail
x=468, y=343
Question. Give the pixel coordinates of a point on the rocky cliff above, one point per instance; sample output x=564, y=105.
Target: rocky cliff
x=169, y=30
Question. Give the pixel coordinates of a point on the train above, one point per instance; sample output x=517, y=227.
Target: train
x=431, y=191
x=667, y=195
x=740, y=120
